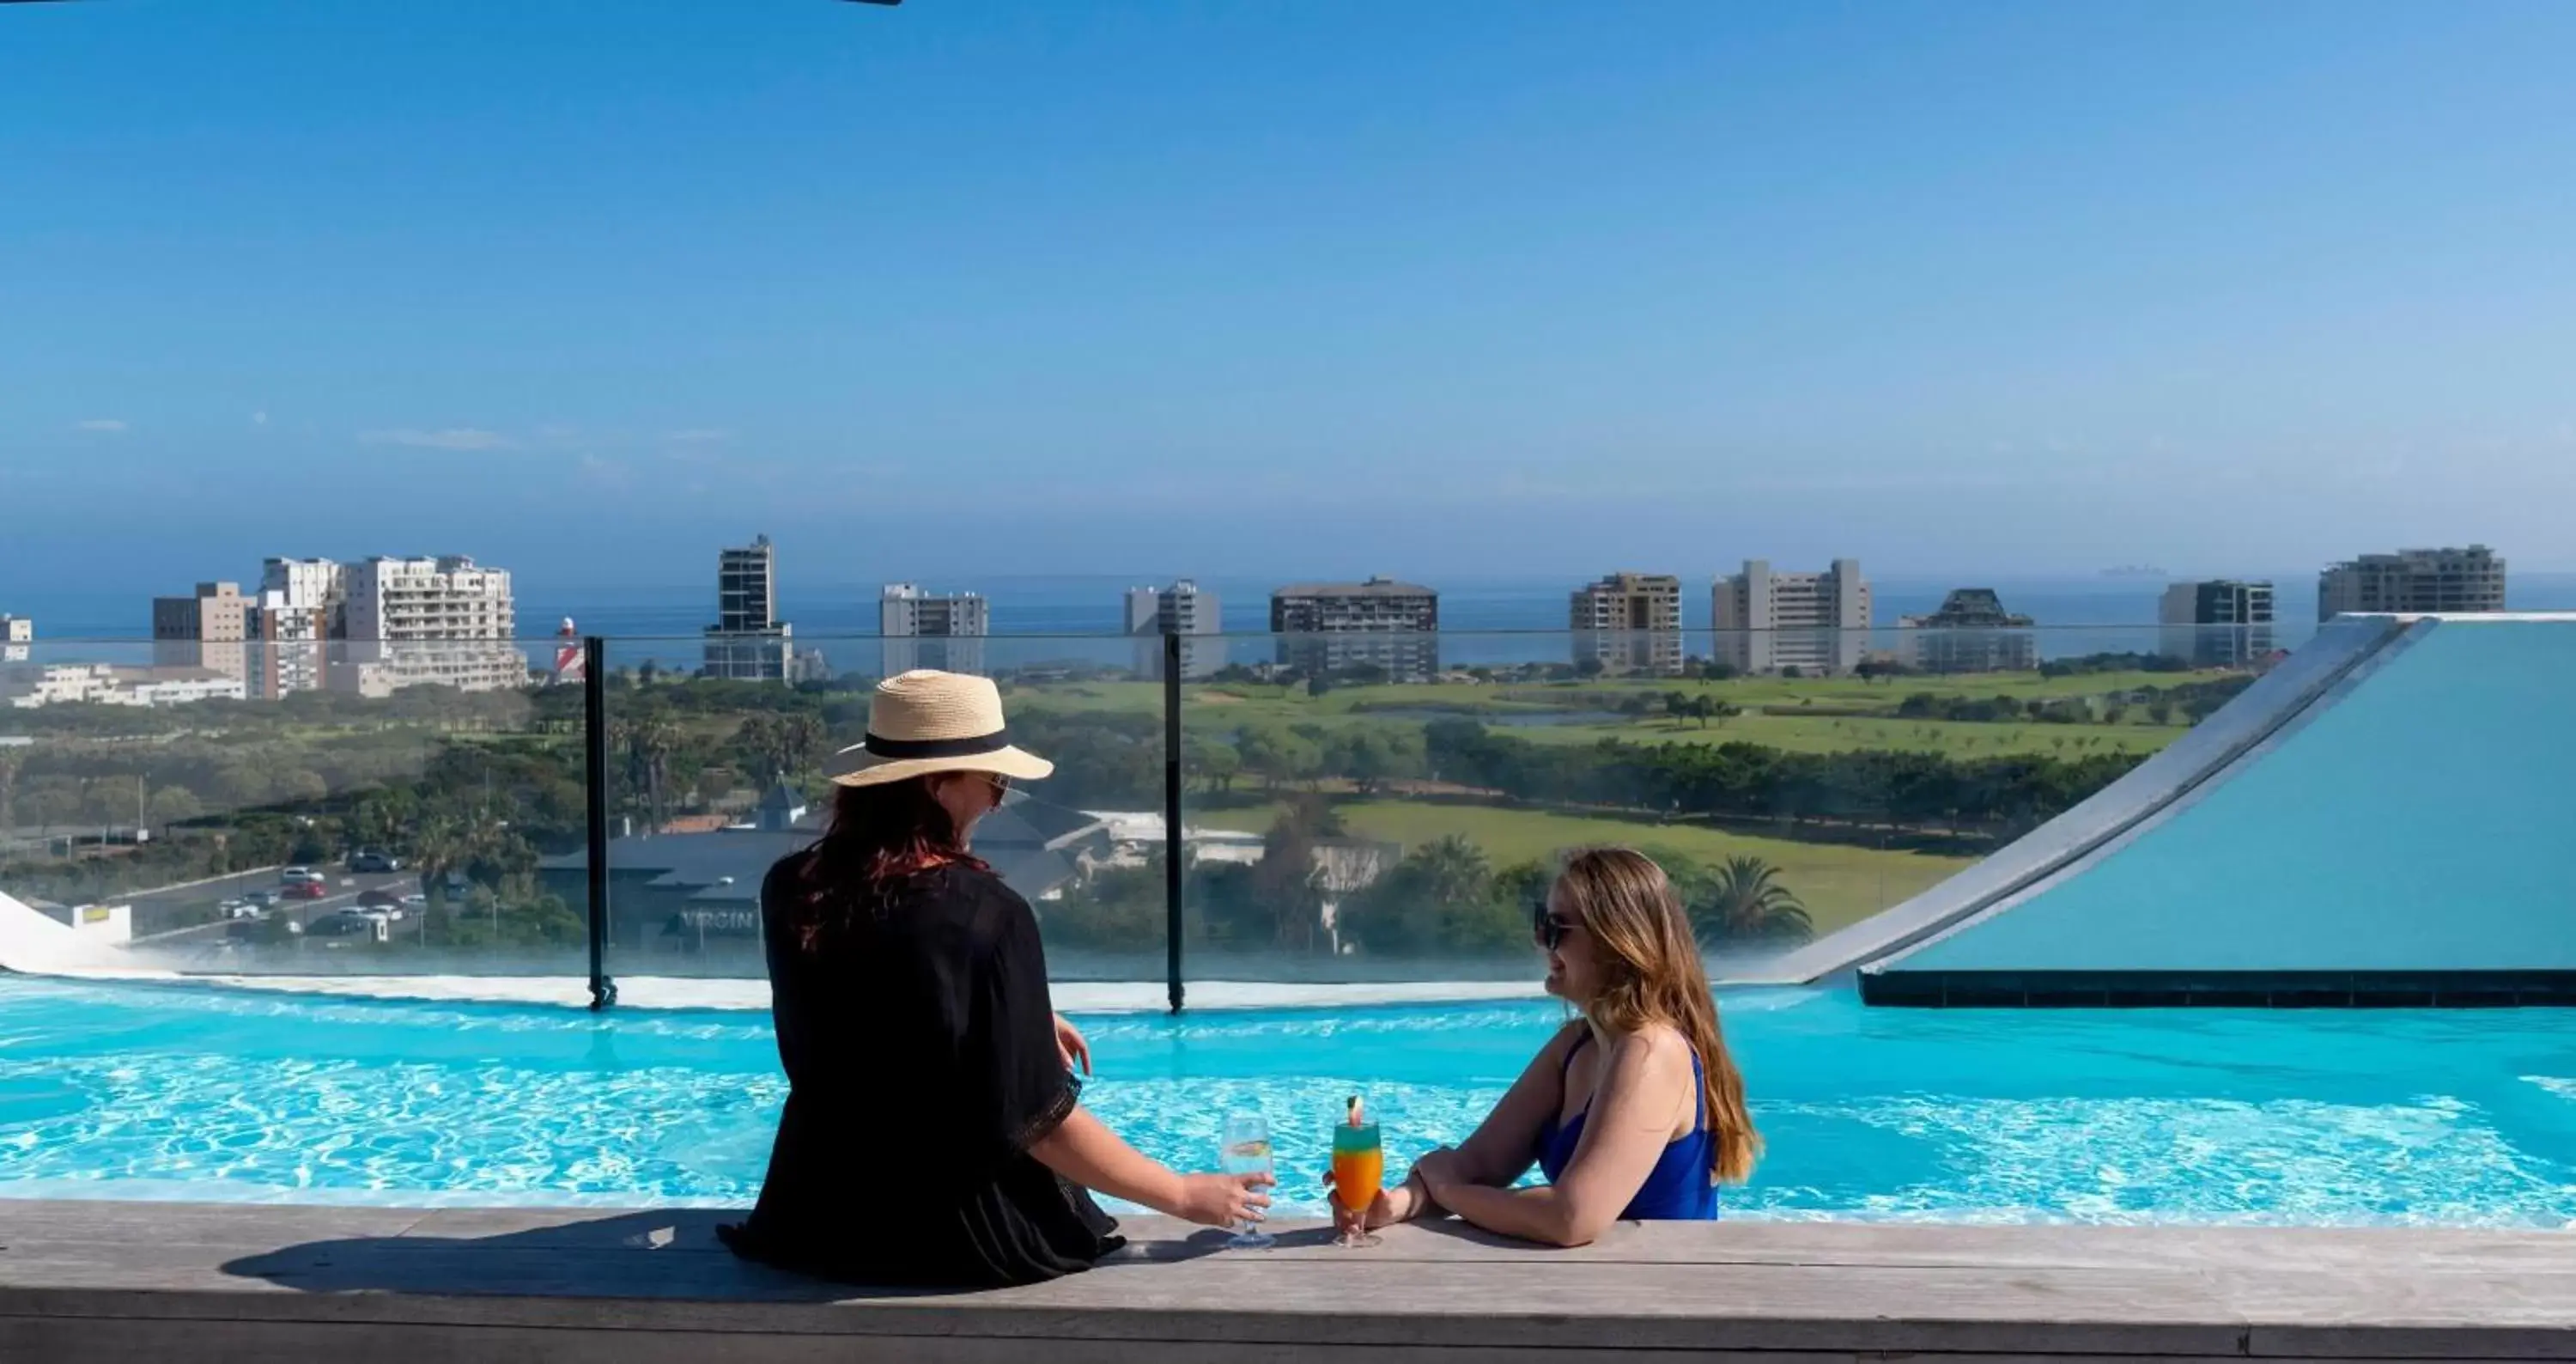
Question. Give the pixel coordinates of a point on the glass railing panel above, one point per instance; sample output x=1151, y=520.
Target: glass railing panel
x=715, y=779
x=326, y=807
x=1792, y=784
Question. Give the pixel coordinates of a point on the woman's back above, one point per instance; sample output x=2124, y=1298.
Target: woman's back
x=918, y=1041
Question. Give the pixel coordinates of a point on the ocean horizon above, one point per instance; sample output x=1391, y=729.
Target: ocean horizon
x=1077, y=618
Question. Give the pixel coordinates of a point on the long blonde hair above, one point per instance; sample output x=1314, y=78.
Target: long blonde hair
x=1653, y=975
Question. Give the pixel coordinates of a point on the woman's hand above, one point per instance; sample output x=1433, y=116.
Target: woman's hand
x=1222, y=1200
x=1071, y=1045
x=1399, y=1204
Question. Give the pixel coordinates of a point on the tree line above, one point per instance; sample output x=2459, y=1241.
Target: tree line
x=1443, y=898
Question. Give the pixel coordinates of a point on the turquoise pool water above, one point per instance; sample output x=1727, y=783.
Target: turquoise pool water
x=2464, y=1118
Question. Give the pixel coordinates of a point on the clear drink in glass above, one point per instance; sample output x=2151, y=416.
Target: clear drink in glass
x=1245, y=1150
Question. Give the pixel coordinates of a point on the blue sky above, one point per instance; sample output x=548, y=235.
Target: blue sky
x=1020, y=286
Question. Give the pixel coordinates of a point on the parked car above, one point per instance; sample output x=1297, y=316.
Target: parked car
x=240, y=909
x=261, y=899
x=381, y=903
x=347, y=923
x=297, y=876
x=306, y=890
x=369, y=862
x=416, y=902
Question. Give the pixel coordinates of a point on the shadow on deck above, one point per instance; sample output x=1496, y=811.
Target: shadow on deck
x=113, y=1280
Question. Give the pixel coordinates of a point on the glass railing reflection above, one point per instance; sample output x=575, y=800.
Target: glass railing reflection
x=328, y=807
x=1353, y=819
x=1353, y=807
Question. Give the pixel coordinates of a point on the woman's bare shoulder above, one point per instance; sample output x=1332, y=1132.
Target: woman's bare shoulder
x=1656, y=1049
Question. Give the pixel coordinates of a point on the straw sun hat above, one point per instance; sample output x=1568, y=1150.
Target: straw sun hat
x=922, y=722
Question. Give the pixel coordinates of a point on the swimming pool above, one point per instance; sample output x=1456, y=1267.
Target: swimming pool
x=2459, y=1117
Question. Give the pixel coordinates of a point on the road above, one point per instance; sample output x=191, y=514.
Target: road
x=344, y=892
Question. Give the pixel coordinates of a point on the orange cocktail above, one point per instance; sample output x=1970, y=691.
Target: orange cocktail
x=1359, y=1168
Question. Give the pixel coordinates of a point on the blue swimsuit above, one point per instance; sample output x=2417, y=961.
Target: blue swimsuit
x=1677, y=1189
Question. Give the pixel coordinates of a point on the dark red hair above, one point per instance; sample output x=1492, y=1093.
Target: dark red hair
x=880, y=836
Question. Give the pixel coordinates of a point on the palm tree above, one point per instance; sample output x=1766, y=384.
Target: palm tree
x=648, y=743
x=1745, y=902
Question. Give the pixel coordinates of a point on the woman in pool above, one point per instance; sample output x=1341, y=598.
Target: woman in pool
x=1634, y=1110
x=933, y=1132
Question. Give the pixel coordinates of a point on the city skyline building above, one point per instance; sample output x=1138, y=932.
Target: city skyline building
x=17, y=638
x=206, y=629
x=1184, y=609
x=1629, y=623
x=2217, y=623
x=1770, y=622
x=1378, y=622
x=748, y=642
x=2413, y=581
x=920, y=629
x=427, y=621
x=292, y=622
x=1971, y=633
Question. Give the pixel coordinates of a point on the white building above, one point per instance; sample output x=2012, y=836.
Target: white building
x=1182, y=609
x=17, y=634
x=1770, y=622
x=28, y=688
x=925, y=631
x=306, y=585
x=748, y=642
x=413, y=622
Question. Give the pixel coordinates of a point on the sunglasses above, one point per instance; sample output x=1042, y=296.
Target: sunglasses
x=1547, y=928
x=1001, y=784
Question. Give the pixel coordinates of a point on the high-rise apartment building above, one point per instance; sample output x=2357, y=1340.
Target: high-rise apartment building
x=292, y=623
x=748, y=642
x=2414, y=581
x=1329, y=627
x=1182, y=609
x=925, y=631
x=206, y=629
x=413, y=622
x=1971, y=633
x=1629, y=623
x=17, y=638
x=2221, y=623
x=1770, y=622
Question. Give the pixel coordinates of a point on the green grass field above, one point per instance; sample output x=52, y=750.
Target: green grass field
x=1838, y=884
x=1834, y=728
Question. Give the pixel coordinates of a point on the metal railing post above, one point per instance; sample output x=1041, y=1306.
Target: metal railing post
x=594, y=772
x=1173, y=851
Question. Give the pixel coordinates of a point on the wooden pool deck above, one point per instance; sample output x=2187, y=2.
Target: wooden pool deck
x=196, y=1282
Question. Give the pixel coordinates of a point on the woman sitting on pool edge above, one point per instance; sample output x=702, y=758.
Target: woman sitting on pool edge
x=1633, y=1111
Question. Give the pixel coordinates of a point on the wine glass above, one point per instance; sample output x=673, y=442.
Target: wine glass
x=1245, y=1150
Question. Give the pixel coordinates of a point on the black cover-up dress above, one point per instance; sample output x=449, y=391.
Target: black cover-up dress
x=919, y=1043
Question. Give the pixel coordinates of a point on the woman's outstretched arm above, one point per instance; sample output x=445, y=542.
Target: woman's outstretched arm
x=1501, y=1147
x=1083, y=1149
x=1631, y=1121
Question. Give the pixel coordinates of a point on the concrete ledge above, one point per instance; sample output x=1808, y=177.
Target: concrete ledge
x=223, y=1283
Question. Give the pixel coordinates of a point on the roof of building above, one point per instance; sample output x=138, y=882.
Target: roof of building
x=1026, y=842
x=1373, y=587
